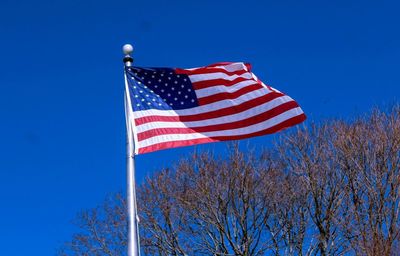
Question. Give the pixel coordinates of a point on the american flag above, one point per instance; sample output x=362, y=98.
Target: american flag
x=171, y=107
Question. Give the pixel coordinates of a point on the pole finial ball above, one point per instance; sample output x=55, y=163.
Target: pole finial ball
x=127, y=49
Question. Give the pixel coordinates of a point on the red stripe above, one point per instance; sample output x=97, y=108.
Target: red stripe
x=212, y=114
x=215, y=82
x=221, y=127
x=229, y=95
x=248, y=65
x=226, y=63
x=173, y=144
x=207, y=70
x=222, y=63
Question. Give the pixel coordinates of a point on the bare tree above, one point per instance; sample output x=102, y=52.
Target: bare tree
x=369, y=151
x=327, y=189
x=103, y=230
x=223, y=207
x=206, y=206
x=162, y=216
x=310, y=154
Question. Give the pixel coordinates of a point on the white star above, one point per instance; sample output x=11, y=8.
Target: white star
x=166, y=84
x=142, y=99
x=152, y=76
x=155, y=86
x=136, y=96
x=169, y=78
x=186, y=96
x=179, y=92
x=169, y=94
x=137, y=105
x=148, y=103
x=159, y=104
x=189, y=90
x=171, y=104
x=142, y=77
x=172, y=88
x=153, y=99
x=145, y=73
x=149, y=82
x=178, y=76
x=159, y=80
x=176, y=82
x=185, y=79
x=139, y=82
x=140, y=91
x=182, y=86
x=181, y=102
x=170, y=73
x=162, y=74
x=192, y=100
x=162, y=90
x=147, y=95
x=134, y=87
x=175, y=98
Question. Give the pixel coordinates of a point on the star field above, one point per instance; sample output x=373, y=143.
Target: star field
x=159, y=88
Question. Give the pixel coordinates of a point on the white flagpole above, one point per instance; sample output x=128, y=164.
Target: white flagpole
x=133, y=219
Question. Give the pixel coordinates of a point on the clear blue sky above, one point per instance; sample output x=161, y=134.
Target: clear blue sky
x=62, y=134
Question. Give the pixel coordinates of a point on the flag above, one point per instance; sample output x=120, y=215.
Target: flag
x=172, y=107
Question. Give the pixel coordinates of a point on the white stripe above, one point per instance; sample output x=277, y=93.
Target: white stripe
x=240, y=131
x=222, y=88
x=218, y=120
x=218, y=75
x=205, y=108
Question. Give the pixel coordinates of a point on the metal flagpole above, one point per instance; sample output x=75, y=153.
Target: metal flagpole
x=133, y=231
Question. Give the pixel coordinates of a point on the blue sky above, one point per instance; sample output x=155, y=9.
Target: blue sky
x=62, y=134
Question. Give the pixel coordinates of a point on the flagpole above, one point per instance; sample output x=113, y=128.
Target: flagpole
x=133, y=231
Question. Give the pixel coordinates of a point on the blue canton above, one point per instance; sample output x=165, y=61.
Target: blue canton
x=159, y=88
